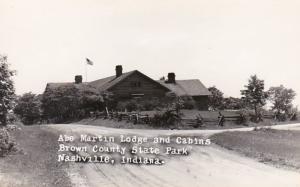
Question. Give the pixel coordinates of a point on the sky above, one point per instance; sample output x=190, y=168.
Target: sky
x=218, y=42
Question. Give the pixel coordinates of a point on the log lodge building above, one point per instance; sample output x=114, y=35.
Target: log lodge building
x=135, y=84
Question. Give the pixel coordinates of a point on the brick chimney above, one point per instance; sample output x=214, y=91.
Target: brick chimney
x=78, y=79
x=119, y=70
x=171, y=78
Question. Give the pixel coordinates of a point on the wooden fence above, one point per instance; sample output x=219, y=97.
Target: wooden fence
x=147, y=118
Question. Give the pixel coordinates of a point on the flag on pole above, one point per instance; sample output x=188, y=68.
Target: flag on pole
x=89, y=62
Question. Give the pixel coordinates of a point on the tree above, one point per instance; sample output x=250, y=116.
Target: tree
x=254, y=95
x=216, y=99
x=60, y=104
x=70, y=102
x=7, y=90
x=28, y=108
x=233, y=103
x=281, y=99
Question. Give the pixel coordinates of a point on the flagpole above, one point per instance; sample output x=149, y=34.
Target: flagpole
x=86, y=79
x=88, y=62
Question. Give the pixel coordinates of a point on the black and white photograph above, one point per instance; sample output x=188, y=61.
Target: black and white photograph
x=160, y=93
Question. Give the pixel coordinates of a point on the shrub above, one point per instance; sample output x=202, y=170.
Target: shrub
x=188, y=104
x=150, y=104
x=12, y=118
x=71, y=102
x=6, y=144
x=243, y=117
x=294, y=117
x=281, y=117
x=249, y=115
x=131, y=105
x=139, y=104
x=28, y=108
x=294, y=113
x=166, y=118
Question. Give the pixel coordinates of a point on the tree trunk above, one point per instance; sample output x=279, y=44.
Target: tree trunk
x=255, y=110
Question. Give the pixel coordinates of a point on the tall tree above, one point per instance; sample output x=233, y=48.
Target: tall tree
x=281, y=99
x=216, y=99
x=7, y=90
x=254, y=94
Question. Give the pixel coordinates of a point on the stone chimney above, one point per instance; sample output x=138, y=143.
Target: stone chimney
x=119, y=70
x=171, y=78
x=78, y=79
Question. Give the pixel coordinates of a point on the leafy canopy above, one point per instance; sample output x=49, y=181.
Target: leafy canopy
x=281, y=99
x=216, y=98
x=7, y=90
x=254, y=93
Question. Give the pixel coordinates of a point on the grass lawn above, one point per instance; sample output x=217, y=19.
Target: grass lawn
x=277, y=147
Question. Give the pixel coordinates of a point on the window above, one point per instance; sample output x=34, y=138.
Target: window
x=137, y=95
x=136, y=84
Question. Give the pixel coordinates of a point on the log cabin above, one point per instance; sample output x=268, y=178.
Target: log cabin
x=134, y=84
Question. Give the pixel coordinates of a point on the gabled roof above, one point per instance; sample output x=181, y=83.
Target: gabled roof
x=100, y=84
x=108, y=82
x=192, y=87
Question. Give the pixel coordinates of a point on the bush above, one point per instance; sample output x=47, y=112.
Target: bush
x=12, y=118
x=251, y=116
x=294, y=113
x=166, y=119
x=139, y=104
x=6, y=144
x=281, y=117
x=188, y=104
x=294, y=117
x=28, y=108
x=130, y=106
x=72, y=102
x=150, y=104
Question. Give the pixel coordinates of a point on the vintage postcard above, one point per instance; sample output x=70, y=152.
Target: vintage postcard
x=161, y=93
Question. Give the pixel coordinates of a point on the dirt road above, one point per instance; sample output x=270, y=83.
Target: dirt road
x=209, y=166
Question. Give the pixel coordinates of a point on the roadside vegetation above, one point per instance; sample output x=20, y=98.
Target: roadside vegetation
x=77, y=102
x=252, y=104
x=7, y=144
x=7, y=95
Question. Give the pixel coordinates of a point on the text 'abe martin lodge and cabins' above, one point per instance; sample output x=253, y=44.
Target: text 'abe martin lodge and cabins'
x=134, y=84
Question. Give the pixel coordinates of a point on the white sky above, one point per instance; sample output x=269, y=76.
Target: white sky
x=219, y=42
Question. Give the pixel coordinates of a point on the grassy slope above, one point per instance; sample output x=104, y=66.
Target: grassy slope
x=35, y=164
x=278, y=147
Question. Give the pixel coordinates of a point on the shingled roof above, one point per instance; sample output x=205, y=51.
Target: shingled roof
x=108, y=82
x=69, y=85
x=192, y=87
